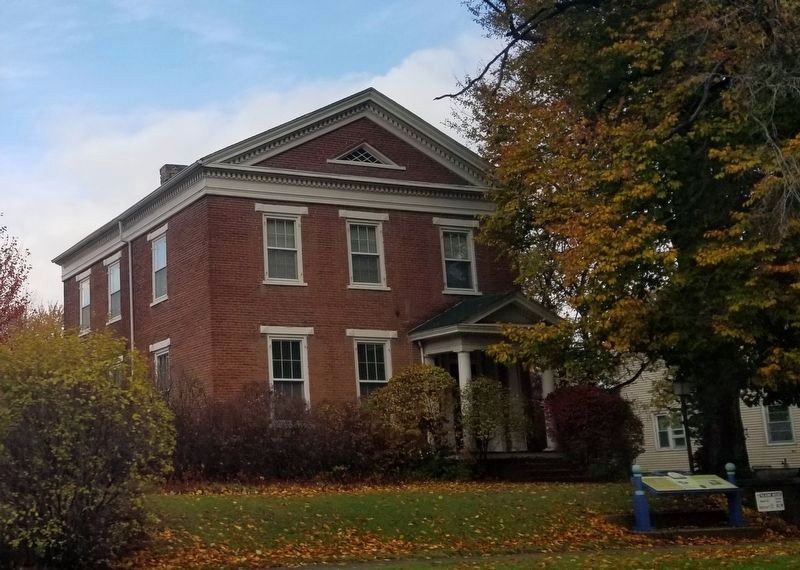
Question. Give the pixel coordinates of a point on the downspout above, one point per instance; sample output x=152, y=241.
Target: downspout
x=130, y=284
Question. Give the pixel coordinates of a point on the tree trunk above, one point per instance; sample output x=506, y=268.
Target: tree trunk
x=719, y=426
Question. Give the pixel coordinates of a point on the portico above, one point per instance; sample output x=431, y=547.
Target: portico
x=457, y=340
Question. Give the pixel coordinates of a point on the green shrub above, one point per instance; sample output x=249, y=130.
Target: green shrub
x=417, y=405
x=488, y=413
x=81, y=435
x=596, y=429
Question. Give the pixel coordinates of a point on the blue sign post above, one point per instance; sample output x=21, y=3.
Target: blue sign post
x=680, y=484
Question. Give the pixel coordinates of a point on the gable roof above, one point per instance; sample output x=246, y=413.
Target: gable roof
x=474, y=309
x=234, y=163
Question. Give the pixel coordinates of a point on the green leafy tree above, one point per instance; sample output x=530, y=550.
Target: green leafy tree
x=82, y=434
x=647, y=171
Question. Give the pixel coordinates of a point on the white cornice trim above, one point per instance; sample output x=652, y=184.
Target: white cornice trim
x=157, y=232
x=84, y=275
x=292, y=331
x=281, y=209
x=357, y=215
x=456, y=222
x=160, y=345
x=109, y=260
x=242, y=182
x=371, y=333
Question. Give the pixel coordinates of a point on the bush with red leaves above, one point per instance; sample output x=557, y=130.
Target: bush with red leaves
x=596, y=429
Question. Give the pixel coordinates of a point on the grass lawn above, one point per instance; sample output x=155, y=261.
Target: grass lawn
x=255, y=527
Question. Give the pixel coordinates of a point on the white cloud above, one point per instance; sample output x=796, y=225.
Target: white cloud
x=95, y=166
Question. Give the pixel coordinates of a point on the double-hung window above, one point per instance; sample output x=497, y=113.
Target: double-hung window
x=288, y=361
x=161, y=368
x=373, y=359
x=779, y=425
x=458, y=255
x=85, y=294
x=670, y=432
x=158, y=244
x=114, y=292
x=283, y=252
x=365, y=249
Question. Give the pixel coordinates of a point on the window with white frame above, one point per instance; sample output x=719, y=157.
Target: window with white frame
x=159, y=246
x=85, y=294
x=669, y=432
x=288, y=362
x=114, y=292
x=373, y=359
x=283, y=246
x=162, y=374
x=162, y=370
x=779, y=424
x=365, y=249
x=458, y=259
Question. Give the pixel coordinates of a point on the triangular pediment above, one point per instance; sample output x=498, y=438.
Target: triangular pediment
x=404, y=144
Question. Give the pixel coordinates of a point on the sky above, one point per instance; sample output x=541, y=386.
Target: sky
x=95, y=95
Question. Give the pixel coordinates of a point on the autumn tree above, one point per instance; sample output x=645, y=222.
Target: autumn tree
x=14, y=270
x=646, y=165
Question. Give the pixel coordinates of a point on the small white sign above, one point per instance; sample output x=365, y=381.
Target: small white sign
x=769, y=501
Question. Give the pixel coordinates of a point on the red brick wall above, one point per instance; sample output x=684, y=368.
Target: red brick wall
x=217, y=299
x=98, y=283
x=314, y=154
x=241, y=303
x=184, y=317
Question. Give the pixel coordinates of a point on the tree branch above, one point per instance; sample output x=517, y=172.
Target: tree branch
x=632, y=379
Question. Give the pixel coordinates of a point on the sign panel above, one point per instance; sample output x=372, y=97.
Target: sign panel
x=770, y=501
x=683, y=483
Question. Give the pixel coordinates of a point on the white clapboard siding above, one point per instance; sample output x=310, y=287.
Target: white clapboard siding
x=762, y=454
x=653, y=459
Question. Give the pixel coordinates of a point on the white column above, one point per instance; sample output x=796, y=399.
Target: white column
x=548, y=385
x=464, y=379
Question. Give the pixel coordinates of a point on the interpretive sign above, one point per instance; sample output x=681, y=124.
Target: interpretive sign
x=684, y=483
x=770, y=501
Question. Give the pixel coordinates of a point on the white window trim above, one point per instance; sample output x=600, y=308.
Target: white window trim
x=158, y=232
x=290, y=331
x=356, y=215
x=473, y=264
x=386, y=341
x=111, y=259
x=455, y=222
x=118, y=317
x=153, y=242
x=282, y=209
x=767, y=439
x=303, y=338
x=295, y=217
x=84, y=275
x=160, y=345
x=382, y=286
x=371, y=333
x=672, y=446
x=88, y=326
x=387, y=162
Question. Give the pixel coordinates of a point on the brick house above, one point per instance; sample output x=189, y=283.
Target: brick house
x=319, y=256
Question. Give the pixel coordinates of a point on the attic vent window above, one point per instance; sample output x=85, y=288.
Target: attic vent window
x=365, y=155
x=361, y=155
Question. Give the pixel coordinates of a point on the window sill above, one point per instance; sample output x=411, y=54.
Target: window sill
x=369, y=287
x=279, y=282
x=781, y=444
x=461, y=292
x=113, y=320
x=159, y=300
x=84, y=332
x=673, y=449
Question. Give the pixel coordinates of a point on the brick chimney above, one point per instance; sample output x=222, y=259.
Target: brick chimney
x=169, y=170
